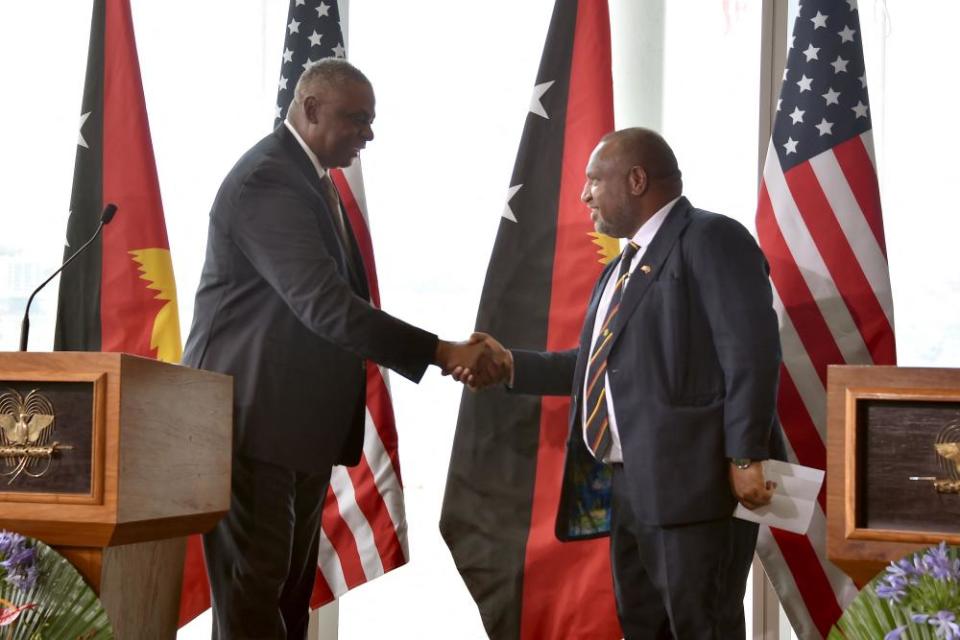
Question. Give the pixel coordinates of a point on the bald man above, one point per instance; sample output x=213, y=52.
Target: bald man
x=283, y=306
x=673, y=395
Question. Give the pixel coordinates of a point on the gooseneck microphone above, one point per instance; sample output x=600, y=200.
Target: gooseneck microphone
x=108, y=212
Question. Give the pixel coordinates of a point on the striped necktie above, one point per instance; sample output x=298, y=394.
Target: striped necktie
x=597, y=423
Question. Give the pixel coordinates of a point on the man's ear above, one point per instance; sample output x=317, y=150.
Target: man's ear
x=637, y=180
x=311, y=109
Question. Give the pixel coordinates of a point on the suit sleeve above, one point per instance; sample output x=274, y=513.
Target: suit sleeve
x=732, y=278
x=543, y=373
x=276, y=229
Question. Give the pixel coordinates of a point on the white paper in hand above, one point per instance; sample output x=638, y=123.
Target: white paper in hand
x=793, y=501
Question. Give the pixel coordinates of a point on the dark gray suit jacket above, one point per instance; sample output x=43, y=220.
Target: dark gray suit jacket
x=282, y=307
x=693, y=368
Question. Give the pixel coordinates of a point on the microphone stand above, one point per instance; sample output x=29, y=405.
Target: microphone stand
x=105, y=218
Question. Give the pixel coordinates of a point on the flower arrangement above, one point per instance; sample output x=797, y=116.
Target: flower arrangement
x=43, y=597
x=916, y=598
x=19, y=564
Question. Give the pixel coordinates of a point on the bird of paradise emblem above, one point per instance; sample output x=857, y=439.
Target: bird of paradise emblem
x=947, y=447
x=26, y=427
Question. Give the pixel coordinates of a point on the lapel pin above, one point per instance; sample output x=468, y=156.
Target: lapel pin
x=645, y=268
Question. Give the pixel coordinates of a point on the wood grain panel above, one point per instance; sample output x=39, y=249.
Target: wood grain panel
x=140, y=588
x=139, y=585
x=175, y=441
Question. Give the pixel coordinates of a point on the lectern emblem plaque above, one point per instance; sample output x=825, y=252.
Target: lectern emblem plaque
x=26, y=431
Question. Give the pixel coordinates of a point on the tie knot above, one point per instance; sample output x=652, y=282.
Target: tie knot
x=630, y=250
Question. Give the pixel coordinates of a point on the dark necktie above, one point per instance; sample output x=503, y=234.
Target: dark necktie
x=597, y=424
x=333, y=203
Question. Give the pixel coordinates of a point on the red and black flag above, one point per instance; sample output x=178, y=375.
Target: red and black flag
x=504, y=481
x=121, y=296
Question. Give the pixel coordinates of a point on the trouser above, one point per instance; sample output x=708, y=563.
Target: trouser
x=682, y=581
x=262, y=557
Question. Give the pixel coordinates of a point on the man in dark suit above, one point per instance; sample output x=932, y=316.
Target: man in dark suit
x=283, y=307
x=673, y=385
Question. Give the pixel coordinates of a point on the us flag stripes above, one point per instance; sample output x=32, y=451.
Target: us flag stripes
x=819, y=223
x=363, y=531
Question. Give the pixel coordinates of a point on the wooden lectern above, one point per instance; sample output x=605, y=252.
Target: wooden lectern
x=112, y=459
x=893, y=478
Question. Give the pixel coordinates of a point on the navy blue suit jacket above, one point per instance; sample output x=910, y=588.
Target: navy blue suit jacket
x=693, y=369
x=283, y=307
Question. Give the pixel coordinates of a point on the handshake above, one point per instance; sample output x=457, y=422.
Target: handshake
x=479, y=362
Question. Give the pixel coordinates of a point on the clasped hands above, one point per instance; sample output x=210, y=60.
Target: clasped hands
x=478, y=362
x=482, y=361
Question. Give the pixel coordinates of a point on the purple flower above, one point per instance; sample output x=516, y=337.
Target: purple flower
x=19, y=564
x=945, y=624
x=902, y=567
x=895, y=634
x=25, y=579
x=891, y=592
x=936, y=562
x=10, y=540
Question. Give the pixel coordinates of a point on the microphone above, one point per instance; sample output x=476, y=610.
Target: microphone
x=108, y=212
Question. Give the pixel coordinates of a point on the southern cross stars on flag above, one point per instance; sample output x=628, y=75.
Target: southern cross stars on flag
x=536, y=107
x=313, y=32
x=824, y=96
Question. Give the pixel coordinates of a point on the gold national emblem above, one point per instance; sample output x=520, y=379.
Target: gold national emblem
x=26, y=427
x=947, y=447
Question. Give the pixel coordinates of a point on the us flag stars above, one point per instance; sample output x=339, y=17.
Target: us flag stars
x=313, y=32
x=824, y=94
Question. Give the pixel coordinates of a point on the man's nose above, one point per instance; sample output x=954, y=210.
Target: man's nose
x=367, y=133
x=585, y=193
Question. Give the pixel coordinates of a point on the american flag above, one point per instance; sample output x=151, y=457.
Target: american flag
x=820, y=225
x=364, y=527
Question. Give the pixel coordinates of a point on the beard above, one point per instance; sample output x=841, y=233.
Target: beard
x=613, y=226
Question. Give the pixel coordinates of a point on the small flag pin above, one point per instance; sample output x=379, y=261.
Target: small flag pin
x=645, y=268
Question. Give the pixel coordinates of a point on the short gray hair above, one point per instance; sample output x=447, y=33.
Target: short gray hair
x=328, y=73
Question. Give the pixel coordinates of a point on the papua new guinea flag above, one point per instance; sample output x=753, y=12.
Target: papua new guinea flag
x=504, y=481
x=121, y=295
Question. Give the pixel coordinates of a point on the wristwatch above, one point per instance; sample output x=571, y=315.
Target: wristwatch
x=741, y=463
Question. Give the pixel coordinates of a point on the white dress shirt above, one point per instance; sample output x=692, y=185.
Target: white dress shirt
x=642, y=238
x=323, y=174
x=310, y=154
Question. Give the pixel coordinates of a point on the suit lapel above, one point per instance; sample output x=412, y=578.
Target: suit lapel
x=349, y=256
x=649, y=267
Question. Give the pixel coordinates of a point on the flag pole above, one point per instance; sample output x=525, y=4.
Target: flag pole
x=773, y=58
x=765, y=604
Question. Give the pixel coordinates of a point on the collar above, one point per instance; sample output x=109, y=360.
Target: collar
x=644, y=235
x=307, y=150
